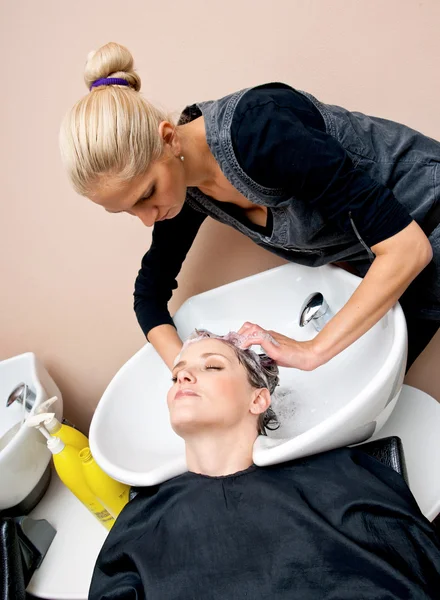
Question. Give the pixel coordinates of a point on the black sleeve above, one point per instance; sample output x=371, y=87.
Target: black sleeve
x=156, y=279
x=275, y=147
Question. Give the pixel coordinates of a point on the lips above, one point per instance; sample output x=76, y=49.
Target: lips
x=182, y=393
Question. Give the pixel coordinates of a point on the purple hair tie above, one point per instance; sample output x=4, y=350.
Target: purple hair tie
x=109, y=81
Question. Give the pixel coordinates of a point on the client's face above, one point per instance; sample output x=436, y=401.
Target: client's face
x=211, y=390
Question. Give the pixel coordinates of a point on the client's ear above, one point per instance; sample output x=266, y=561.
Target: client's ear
x=260, y=401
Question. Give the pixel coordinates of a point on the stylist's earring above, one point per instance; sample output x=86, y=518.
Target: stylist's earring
x=182, y=158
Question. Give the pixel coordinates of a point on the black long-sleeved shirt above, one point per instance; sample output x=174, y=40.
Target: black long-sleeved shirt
x=279, y=140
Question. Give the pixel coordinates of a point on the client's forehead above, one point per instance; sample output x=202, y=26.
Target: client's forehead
x=199, y=347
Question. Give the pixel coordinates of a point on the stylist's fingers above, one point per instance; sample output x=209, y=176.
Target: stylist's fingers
x=249, y=332
x=245, y=327
x=249, y=328
x=285, y=351
x=253, y=334
x=264, y=339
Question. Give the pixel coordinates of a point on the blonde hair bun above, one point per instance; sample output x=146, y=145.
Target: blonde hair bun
x=111, y=60
x=112, y=131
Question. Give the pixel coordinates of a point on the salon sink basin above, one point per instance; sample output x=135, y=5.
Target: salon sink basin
x=23, y=454
x=342, y=402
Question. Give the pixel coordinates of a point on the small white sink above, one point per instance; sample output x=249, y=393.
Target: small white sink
x=343, y=402
x=23, y=453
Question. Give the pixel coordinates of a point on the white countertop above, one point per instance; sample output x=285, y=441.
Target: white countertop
x=67, y=568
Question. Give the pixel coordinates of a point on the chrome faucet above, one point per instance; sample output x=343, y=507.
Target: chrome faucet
x=22, y=393
x=316, y=310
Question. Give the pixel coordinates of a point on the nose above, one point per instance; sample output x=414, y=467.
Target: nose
x=148, y=215
x=185, y=376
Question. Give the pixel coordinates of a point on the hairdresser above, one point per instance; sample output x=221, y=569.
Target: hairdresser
x=311, y=182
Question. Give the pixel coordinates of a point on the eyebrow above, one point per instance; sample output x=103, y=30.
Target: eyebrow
x=148, y=191
x=205, y=355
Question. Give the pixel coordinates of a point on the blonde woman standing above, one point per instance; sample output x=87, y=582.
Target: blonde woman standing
x=311, y=182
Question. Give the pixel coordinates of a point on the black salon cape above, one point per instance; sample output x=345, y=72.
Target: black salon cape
x=335, y=526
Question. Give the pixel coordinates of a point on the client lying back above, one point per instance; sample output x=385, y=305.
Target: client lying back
x=334, y=525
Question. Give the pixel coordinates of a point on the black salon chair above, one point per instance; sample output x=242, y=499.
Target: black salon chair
x=23, y=545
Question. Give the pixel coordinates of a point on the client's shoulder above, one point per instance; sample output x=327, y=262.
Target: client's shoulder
x=312, y=461
x=339, y=467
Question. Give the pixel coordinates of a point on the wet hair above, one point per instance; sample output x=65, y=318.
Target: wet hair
x=262, y=371
x=113, y=130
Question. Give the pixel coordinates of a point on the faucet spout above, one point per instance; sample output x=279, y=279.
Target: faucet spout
x=316, y=310
x=23, y=395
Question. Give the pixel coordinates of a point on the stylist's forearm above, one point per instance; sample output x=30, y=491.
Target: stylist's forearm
x=166, y=342
x=387, y=279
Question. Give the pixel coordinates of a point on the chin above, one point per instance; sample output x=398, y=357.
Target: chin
x=184, y=428
x=176, y=209
x=172, y=212
x=185, y=424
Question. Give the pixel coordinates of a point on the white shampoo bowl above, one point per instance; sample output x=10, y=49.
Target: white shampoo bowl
x=342, y=402
x=23, y=453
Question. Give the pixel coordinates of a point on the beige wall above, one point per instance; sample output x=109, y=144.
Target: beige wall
x=67, y=267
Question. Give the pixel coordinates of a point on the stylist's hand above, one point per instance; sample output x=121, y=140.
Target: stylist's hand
x=285, y=351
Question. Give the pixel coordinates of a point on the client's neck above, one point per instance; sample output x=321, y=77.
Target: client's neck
x=220, y=452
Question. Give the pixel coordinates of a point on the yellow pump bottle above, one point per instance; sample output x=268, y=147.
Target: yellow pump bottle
x=113, y=494
x=69, y=435
x=69, y=468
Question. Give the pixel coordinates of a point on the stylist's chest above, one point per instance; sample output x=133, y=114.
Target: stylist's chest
x=223, y=191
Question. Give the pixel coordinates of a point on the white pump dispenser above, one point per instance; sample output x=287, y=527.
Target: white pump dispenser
x=38, y=422
x=69, y=435
x=54, y=444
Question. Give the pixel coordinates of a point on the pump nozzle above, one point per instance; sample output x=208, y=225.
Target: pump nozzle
x=44, y=406
x=39, y=419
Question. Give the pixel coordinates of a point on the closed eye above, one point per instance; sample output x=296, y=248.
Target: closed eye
x=144, y=198
x=174, y=378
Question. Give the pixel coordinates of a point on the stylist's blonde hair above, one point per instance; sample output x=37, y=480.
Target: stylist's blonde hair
x=113, y=130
